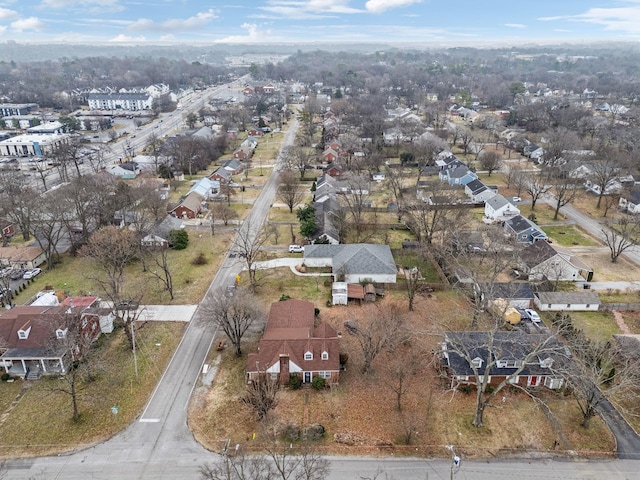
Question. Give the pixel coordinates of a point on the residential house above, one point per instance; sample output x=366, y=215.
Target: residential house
x=125, y=170
x=478, y=192
x=326, y=187
x=630, y=200
x=534, y=152
x=354, y=263
x=334, y=169
x=292, y=346
x=520, y=358
x=256, y=132
x=583, y=301
x=540, y=260
x=330, y=155
x=34, y=338
x=234, y=165
x=189, y=207
x=378, y=177
x=498, y=209
x=6, y=229
x=205, y=187
x=325, y=213
x=448, y=161
x=221, y=175
x=243, y=153
x=22, y=257
x=159, y=235
x=461, y=175
x=524, y=230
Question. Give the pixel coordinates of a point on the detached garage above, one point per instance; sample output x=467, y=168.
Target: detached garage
x=567, y=301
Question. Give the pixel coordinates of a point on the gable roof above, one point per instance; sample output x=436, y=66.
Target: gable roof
x=536, y=253
x=590, y=298
x=513, y=290
x=476, y=186
x=497, y=202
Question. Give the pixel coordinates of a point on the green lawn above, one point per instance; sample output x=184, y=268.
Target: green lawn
x=569, y=236
x=595, y=325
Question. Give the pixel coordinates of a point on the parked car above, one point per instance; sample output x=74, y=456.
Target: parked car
x=17, y=274
x=296, y=249
x=517, y=199
x=532, y=315
x=32, y=273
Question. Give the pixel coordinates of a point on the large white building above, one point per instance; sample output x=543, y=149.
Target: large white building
x=120, y=101
x=35, y=144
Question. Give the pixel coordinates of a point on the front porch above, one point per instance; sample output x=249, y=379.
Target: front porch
x=32, y=367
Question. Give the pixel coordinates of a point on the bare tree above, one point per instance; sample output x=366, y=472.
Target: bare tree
x=238, y=466
x=249, y=242
x=260, y=394
x=380, y=327
x=162, y=270
x=483, y=350
x=536, y=188
x=621, y=236
x=491, y=161
x=72, y=341
x=355, y=202
x=605, y=170
x=234, y=314
x=223, y=212
x=303, y=462
x=289, y=191
x=296, y=157
x=435, y=216
x=565, y=191
x=16, y=201
x=48, y=224
x=598, y=370
x=395, y=182
x=401, y=367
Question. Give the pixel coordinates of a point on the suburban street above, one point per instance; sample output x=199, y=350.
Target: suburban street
x=160, y=439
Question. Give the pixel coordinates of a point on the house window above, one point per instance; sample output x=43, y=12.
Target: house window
x=22, y=334
x=60, y=333
x=548, y=305
x=325, y=375
x=274, y=376
x=308, y=356
x=325, y=356
x=476, y=362
x=568, y=305
x=84, y=323
x=587, y=305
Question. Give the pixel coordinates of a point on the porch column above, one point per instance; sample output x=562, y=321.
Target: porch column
x=44, y=369
x=62, y=370
x=24, y=366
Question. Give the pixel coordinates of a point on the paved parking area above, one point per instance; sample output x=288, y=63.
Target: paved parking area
x=165, y=313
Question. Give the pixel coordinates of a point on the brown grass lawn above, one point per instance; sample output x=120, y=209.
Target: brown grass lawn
x=605, y=271
x=595, y=325
x=365, y=405
x=190, y=281
x=30, y=430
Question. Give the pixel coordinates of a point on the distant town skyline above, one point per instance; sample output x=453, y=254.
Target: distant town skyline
x=469, y=22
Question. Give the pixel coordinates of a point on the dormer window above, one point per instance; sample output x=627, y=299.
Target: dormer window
x=308, y=356
x=325, y=356
x=23, y=334
x=546, y=363
x=476, y=362
x=60, y=333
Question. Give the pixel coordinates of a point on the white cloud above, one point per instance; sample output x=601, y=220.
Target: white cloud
x=168, y=38
x=254, y=35
x=2, y=29
x=197, y=21
x=515, y=25
x=127, y=39
x=379, y=6
x=80, y=3
x=623, y=19
x=6, y=14
x=309, y=9
x=31, y=23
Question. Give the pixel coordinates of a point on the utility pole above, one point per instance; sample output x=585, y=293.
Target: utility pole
x=455, y=462
x=133, y=342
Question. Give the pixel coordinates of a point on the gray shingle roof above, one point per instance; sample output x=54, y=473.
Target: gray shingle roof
x=359, y=258
x=573, y=298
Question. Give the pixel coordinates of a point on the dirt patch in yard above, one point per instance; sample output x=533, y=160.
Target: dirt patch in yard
x=361, y=415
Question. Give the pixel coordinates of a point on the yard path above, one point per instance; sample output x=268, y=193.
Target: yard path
x=620, y=321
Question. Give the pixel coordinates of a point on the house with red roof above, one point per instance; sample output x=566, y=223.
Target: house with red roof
x=293, y=344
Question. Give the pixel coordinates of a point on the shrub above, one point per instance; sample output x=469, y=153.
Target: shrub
x=284, y=297
x=316, y=311
x=5, y=376
x=465, y=388
x=318, y=382
x=295, y=382
x=200, y=259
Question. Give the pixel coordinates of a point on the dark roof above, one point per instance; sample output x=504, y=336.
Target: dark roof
x=476, y=186
x=513, y=290
x=519, y=223
x=536, y=253
x=492, y=346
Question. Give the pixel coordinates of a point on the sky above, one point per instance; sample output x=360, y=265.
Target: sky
x=466, y=22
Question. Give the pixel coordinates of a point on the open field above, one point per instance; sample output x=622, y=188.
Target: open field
x=595, y=325
x=30, y=430
x=364, y=406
